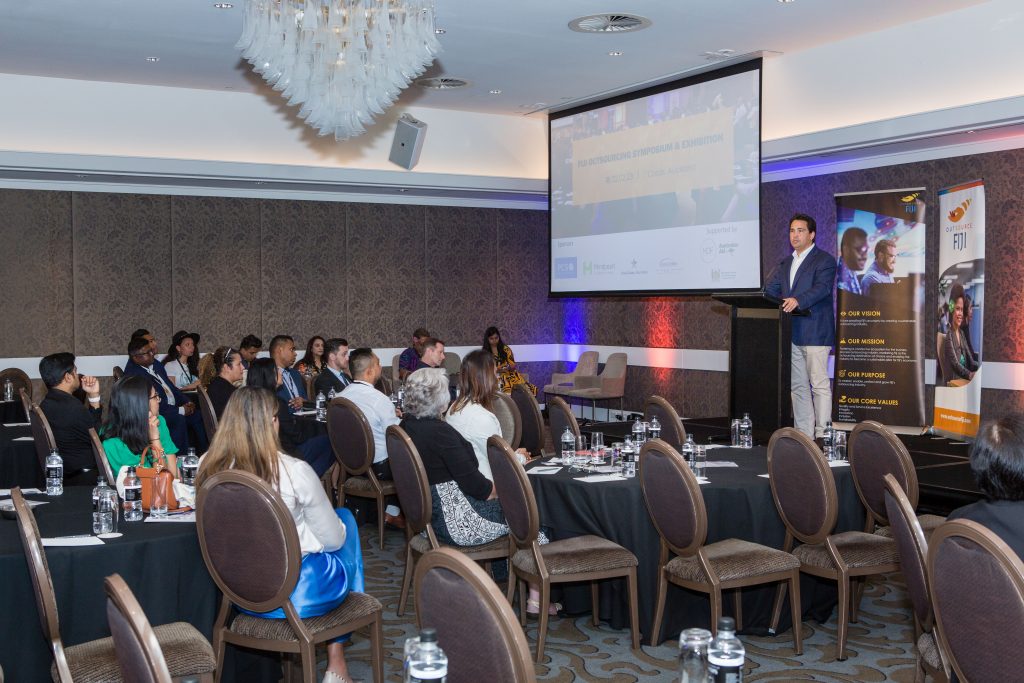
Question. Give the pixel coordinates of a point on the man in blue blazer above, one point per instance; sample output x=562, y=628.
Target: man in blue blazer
x=805, y=280
x=293, y=386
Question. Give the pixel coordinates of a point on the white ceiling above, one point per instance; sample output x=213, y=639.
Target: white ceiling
x=524, y=47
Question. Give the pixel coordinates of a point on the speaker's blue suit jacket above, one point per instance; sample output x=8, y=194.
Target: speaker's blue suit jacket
x=813, y=286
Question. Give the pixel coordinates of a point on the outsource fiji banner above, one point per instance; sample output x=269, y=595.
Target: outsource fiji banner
x=879, y=369
x=961, y=298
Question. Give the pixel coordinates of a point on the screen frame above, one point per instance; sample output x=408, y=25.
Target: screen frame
x=746, y=66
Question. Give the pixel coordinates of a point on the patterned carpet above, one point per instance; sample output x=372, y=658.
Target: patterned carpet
x=879, y=647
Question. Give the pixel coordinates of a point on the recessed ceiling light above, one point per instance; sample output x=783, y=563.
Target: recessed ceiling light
x=615, y=53
x=152, y=59
x=970, y=131
x=223, y=5
x=441, y=83
x=786, y=2
x=495, y=92
x=440, y=31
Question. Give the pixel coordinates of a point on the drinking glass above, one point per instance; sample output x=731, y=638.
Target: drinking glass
x=700, y=458
x=596, y=447
x=735, y=432
x=581, y=458
x=839, y=445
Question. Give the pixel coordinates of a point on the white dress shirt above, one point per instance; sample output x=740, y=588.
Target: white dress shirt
x=320, y=529
x=379, y=412
x=476, y=424
x=798, y=260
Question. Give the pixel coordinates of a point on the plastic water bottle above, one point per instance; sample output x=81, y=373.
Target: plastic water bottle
x=102, y=512
x=401, y=396
x=827, y=436
x=331, y=395
x=746, y=432
x=189, y=467
x=654, y=429
x=8, y=390
x=639, y=432
x=321, y=407
x=568, y=447
x=54, y=474
x=428, y=661
x=726, y=654
x=132, y=497
x=689, y=450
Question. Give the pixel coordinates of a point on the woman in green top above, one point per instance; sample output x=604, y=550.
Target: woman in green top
x=134, y=423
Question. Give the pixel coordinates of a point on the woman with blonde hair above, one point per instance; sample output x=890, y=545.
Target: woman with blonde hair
x=332, y=564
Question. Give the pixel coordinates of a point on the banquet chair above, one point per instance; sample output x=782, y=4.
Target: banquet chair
x=581, y=558
x=188, y=653
x=310, y=383
x=102, y=464
x=913, y=549
x=210, y=420
x=19, y=380
x=251, y=548
x=41, y=434
x=417, y=506
x=135, y=645
x=677, y=510
x=875, y=452
x=611, y=383
x=452, y=363
x=352, y=443
x=507, y=412
x=559, y=417
x=479, y=621
x=672, y=430
x=532, y=435
x=805, y=496
x=117, y=372
x=977, y=589
x=395, y=376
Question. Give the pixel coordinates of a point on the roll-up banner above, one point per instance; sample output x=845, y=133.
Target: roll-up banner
x=961, y=300
x=879, y=369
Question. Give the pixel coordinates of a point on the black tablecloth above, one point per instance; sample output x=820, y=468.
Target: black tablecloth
x=12, y=411
x=739, y=505
x=19, y=464
x=161, y=562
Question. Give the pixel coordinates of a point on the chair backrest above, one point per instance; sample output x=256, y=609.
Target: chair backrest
x=394, y=367
x=672, y=430
x=102, y=464
x=874, y=452
x=310, y=382
x=586, y=366
x=479, y=621
x=452, y=363
x=42, y=434
x=977, y=588
x=514, y=492
x=802, y=486
x=26, y=401
x=532, y=436
x=559, y=417
x=249, y=541
x=42, y=584
x=19, y=379
x=509, y=418
x=912, y=547
x=351, y=436
x=209, y=414
x=944, y=373
x=118, y=373
x=411, y=482
x=138, y=652
x=615, y=366
x=673, y=498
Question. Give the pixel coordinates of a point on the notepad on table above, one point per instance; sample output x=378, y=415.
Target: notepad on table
x=71, y=541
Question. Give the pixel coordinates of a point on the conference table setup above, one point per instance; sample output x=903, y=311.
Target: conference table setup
x=19, y=464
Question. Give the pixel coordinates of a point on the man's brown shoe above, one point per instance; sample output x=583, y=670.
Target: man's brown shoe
x=397, y=521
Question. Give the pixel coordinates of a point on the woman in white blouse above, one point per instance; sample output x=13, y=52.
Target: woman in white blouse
x=332, y=563
x=182, y=360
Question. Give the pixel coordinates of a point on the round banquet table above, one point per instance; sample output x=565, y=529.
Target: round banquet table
x=19, y=464
x=161, y=562
x=12, y=411
x=739, y=505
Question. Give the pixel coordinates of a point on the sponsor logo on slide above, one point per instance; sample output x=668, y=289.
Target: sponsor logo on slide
x=634, y=268
x=592, y=268
x=668, y=265
x=565, y=268
x=708, y=249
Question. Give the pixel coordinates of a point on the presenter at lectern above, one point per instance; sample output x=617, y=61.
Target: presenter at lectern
x=805, y=280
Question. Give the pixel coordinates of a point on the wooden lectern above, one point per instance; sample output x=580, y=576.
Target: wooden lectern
x=759, y=359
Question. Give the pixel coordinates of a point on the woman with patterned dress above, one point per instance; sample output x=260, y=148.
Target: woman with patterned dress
x=314, y=362
x=508, y=377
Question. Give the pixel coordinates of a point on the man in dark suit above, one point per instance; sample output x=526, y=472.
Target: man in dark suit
x=335, y=376
x=293, y=387
x=805, y=280
x=178, y=412
x=69, y=420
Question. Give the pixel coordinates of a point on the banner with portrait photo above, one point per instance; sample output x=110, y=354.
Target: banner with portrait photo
x=879, y=368
x=961, y=299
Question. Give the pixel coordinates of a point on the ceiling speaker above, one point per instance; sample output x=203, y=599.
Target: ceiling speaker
x=405, y=148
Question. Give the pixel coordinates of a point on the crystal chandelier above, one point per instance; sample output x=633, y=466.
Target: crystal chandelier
x=342, y=61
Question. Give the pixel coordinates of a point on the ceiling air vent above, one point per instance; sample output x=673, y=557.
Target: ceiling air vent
x=441, y=83
x=609, y=23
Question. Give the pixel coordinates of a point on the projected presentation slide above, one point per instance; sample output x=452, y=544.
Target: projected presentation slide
x=660, y=192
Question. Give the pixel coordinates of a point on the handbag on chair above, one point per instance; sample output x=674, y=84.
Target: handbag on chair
x=156, y=482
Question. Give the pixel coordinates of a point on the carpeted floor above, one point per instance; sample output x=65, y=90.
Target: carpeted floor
x=879, y=646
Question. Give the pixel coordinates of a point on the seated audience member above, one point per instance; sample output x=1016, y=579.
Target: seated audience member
x=249, y=349
x=183, y=360
x=178, y=412
x=207, y=371
x=433, y=357
x=332, y=563
x=306, y=439
x=68, y=418
x=956, y=353
x=293, y=387
x=409, y=361
x=228, y=365
x=312, y=362
x=997, y=462
x=335, y=375
x=471, y=415
x=135, y=427
x=379, y=412
x=509, y=376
